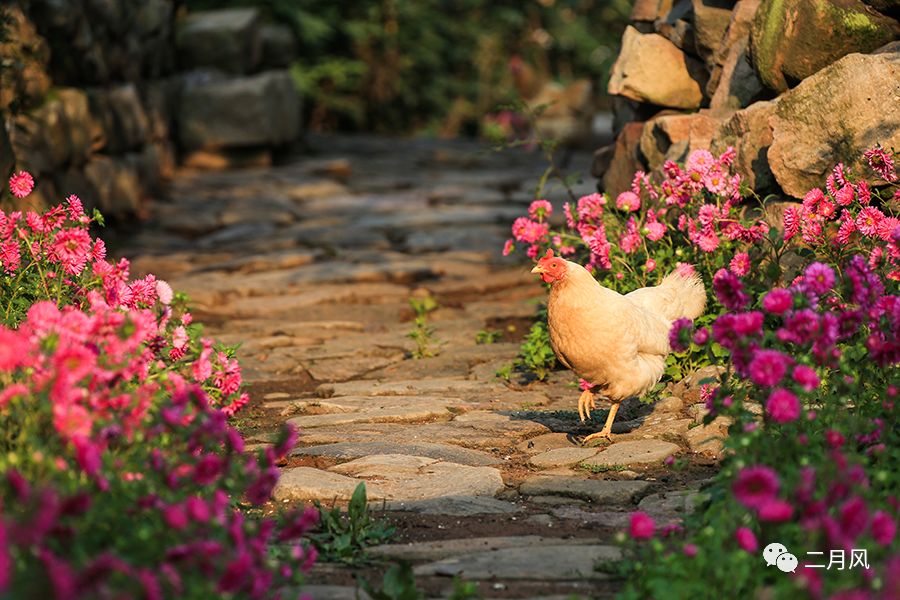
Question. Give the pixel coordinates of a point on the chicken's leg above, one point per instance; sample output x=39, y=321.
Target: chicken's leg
x=585, y=404
x=607, y=429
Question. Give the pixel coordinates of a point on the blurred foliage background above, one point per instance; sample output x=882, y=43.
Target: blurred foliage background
x=432, y=66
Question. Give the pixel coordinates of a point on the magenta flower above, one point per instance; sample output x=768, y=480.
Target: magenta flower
x=689, y=550
x=819, y=278
x=854, y=517
x=881, y=161
x=768, y=367
x=679, y=334
x=746, y=539
x=806, y=377
x=883, y=528
x=775, y=510
x=642, y=526
x=628, y=201
x=783, y=406
x=21, y=184
x=754, y=486
x=729, y=290
x=778, y=301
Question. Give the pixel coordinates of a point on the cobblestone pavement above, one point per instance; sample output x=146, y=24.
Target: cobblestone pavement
x=310, y=266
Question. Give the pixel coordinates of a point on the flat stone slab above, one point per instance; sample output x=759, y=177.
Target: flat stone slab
x=406, y=387
x=599, y=491
x=545, y=442
x=560, y=457
x=678, y=502
x=457, y=506
x=441, y=549
x=306, y=483
x=445, y=452
x=403, y=477
x=634, y=453
x=539, y=562
x=381, y=412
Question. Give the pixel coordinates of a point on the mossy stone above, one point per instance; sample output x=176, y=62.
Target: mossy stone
x=792, y=40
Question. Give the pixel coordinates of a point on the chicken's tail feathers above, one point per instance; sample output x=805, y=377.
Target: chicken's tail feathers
x=689, y=293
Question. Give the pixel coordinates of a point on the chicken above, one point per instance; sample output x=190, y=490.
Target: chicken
x=614, y=342
x=565, y=113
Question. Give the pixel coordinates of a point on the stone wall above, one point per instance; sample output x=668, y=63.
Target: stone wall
x=104, y=97
x=795, y=87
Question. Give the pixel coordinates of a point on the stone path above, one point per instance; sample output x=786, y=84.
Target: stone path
x=310, y=266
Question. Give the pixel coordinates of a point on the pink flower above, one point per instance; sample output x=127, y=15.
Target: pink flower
x=539, y=210
x=685, y=270
x=783, y=406
x=10, y=256
x=868, y=220
x=791, y=222
x=883, y=528
x=819, y=278
x=729, y=290
x=650, y=265
x=642, y=526
x=846, y=229
x=746, y=540
x=21, y=184
x=754, y=486
x=834, y=438
x=508, y=247
x=881, y=162
x=689, y=550
x=591, y=207
x=72, y=248
x=628, y=201
x=708, y=241
x=844, y=197
x=740, y=264
x=527, y=231
x=806, y=377
x=768, y=367
x=700, y=161
x=778, y=301
x=775, y=510
x=164, y=292
x=854, y=516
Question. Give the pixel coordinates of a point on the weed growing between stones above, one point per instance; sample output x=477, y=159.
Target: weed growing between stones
x=399, y=583
x=345, y=537
x=486, y=336
x=121, y=475
x=422, y=333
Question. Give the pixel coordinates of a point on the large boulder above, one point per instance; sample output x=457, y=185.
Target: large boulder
x=114, y=186
x=259, y=110
x=279, y=48
x=79, y=122
x=652, y=69
x=226, y=39
x=25, y=55
x=748, y=131
x=737, y=84
x=793, y=40
x=122, y=117
x=674, y=137
x=833, y=116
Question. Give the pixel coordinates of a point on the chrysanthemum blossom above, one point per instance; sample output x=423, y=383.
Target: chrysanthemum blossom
x=768, y=367
x=540, y=210
x=746, y=539
x=642, y=526
x=21, y=184
x=72, y=248
x=740, y=264
x=628, y=201
x=819, y=278
x=881, y=161
x=806, y=377
x=783, y=406
x=680, y=334
x=729, y=290
x=650, y=265
x=883, y=528
x=775, y=511
x=754, y=486
x=527, y=231
x=700, y=161
x=778, y=301
x=868, y=220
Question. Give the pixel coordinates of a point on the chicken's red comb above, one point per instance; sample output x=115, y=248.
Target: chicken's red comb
x=546, y=256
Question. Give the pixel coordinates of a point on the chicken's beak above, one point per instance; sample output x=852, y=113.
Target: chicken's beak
x=538, y=269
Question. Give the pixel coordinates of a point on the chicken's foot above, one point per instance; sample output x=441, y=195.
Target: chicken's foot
x=585, y=404
x=606, y=432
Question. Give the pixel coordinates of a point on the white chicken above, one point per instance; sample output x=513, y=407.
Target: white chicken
x=616, y=343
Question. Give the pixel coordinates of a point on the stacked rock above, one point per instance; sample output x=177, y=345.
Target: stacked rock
x=795, y=87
